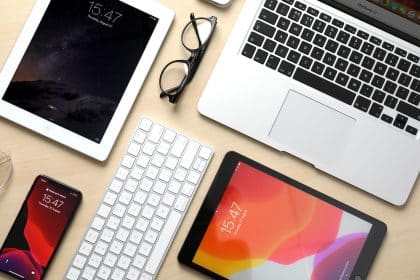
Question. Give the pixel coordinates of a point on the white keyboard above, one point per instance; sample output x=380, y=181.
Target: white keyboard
x=143, y=208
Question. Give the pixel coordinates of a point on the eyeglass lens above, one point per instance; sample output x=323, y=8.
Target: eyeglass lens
x=191, y=39
x=5, y=169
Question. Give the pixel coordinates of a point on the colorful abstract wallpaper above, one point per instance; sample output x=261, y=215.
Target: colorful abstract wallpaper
x=264, y=228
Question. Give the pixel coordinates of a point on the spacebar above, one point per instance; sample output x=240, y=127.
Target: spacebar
x=163, y=242
x=325, y=86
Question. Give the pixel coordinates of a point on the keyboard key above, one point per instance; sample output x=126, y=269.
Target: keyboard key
x=307, y=20
x=413, y=58
x=342, y=79
x=366, y=90
x=293, y=56
x=305, y=47
x=415, y=71
x=307, y=35
x=293, y=42
x=319, y=40
x=366, y=76
x=379, y=54
x=411, y=130
x=264, y=28
x=331, y=46
x=400, y=121
x=330, y=73
x=341, y=64
x=353, y=70
x=283, y=23
x=375, y=40
x=325, y=17
x=391, y=59
x=344, y=51
x=376, y=110
x=268, y=16
x=273, y=62
x=283, y=9
x=295, y=29
x=409, y=110
x=295, y=14
x=281, y=51
x=390, y=87
x=415, y=85
x=378, y=96
x=391, y=101
x=380, y=68
x=392, y=74
x=414, y=98
x=378, y=81
x=355, y=42
x=329, y=59
x=338, y=23
x=402, y=93
x=269, y=45
x=401, y=52
x=404, y=65
x=281, y=36
x=343, y=37
x=317, y=53
x=319, y=26
x=362, y=34
x=368, y=62
x=286, y=68
x=367, y=48
x=354, y=85
x=356, y=57
x=256, y=39
x=313, y=11
x=386, y=118
x=388, y=46
x=350, y=29
x=362, y=103
x=324, y=86
x=260, y=56
x=270, y=4
x=300, y=5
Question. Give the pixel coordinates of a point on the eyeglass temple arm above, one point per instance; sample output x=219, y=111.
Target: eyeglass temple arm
x=194, y=24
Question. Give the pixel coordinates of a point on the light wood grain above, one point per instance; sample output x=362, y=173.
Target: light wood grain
x=33, y=154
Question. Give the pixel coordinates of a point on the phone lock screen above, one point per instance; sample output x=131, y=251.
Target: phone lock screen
x=38, y=228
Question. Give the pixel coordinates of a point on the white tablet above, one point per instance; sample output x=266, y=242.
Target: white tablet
x=78, y=66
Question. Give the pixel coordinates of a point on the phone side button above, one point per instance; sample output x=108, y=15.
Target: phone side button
x=73, y=274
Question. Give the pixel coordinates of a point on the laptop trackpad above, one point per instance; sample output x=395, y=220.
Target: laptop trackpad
x=313, y=131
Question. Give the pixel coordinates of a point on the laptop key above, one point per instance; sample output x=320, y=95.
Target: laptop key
x=319, y=26
x=307, y=35
x=307, y=20
x=256, y=39
x=268, y=16
x=414, y=98
x=324, y=86
x=380, y=68
x=344, y=51
x=342, y=79
x=415, y=85
x=338, y=23
x=305, y=47
x=388, y=46
x=353, y=70
x=391, y=101
x=329, y=59
x=391, y=59
x=362, y=103
x=378, y=96
x=293, y=56
x=331, y=46
x=330, y=73
x=343, y=37
x=306, y=62
x=264, y=28
x=273, y=62
x=375, y=40
x=325, y=17
x=404, y=80
x=260, y=56
x=367, y=48
x=317, y=53
x=379, y=54
x=362, y=34
x=293, y=42
x=378, y=81
x=282, y=51
x=319, y=40
x=318, y=68
x=270, y=4
x=411, y=130
x=390, y=87
x=392, y=74
x=283, y=9
x=404, y=65
x=409, y=110
x=288, y=1
x=341, y=64
x=400, y=121
x=283, y=23
x=355, y=42
x=386, y=118
x=366, y=90
x=366, y=76
x=413, y=58
x=331, y=31
x=376, y=110
x=249, y=50
x=269, y=45
x=368, y=63
x=295, y=14
x=295, y=29
x=401, y=52
x=300, y=5
x=402, y=93
x=356, y=57
x=313, y=11
x=286, y=68
x=281, y=36
x=354, y=85
x=350, y=29
x=415, y=71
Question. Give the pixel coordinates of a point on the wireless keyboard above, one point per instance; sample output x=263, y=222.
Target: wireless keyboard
x=143, y=206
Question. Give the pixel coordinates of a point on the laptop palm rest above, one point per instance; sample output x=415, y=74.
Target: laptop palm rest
x=311, y=130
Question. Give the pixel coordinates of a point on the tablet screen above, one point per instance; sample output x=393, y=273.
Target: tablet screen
x=79, y=63
x=264, y=228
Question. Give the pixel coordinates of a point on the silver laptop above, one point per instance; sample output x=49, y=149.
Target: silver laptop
x=335, y=83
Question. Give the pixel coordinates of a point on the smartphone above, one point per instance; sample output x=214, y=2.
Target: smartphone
x=38, y=229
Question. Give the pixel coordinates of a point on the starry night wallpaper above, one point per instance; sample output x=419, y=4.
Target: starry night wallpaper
x=79, y=63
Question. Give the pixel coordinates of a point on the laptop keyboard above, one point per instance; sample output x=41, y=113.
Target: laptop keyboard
x=339, y=59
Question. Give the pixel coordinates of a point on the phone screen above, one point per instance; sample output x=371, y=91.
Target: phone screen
x=38, y=228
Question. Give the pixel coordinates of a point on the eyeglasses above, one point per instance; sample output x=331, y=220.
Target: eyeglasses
x=195, y=37
x=6, y=168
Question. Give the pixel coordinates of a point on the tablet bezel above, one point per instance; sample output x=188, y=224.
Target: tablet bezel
x=99, y=151
x=215, y=194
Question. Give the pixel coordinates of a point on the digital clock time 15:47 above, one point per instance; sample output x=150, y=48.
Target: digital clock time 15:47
x=97, y=9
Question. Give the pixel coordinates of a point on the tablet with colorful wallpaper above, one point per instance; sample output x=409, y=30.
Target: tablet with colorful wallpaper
x=256, y=223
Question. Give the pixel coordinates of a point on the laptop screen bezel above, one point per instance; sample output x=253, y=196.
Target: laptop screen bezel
x=398, y=33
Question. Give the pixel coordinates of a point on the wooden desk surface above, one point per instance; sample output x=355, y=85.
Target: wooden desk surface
x=33, y=154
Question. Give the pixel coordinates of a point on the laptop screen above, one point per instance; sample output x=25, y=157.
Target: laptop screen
x=401, y=15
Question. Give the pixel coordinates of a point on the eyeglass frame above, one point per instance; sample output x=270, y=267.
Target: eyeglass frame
x=6, y=160
x=192, y=62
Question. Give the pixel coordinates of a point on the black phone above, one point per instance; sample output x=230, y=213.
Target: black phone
x=38, y=228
